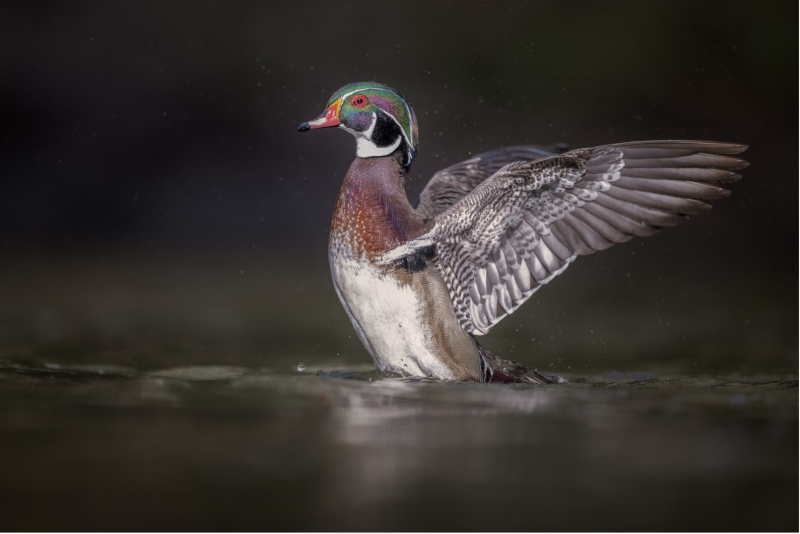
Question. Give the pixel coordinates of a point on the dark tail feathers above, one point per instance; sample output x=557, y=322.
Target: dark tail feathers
x=496, y=369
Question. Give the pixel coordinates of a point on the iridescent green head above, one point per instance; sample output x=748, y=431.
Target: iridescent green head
x=378, y=117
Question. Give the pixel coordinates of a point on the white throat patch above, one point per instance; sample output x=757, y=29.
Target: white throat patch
x=365, y=148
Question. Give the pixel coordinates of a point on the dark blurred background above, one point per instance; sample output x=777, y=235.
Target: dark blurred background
x=158, y=207
x=163, y=271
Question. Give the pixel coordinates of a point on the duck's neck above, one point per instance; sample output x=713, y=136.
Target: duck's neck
x=372, y=213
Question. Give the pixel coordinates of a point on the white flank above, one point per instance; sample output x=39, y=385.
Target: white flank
x=387, y=319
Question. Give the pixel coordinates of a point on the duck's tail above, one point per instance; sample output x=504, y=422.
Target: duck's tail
x=496, y=369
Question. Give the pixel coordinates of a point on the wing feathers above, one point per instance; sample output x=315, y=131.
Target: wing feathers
x=547, y=258
x=523, y=278
x=558, y=248
x=450, y=185
x=513, y=232
x=538, y=271
x=510, y=254
x=673, y=187
x=602, y=228
x=636, y=148
x=568, y=236
x=651, y=216
x=719, y=176
x=687, y=206
x=691, y=160
x=620, y=221
x=593, y=239
x=493, y=274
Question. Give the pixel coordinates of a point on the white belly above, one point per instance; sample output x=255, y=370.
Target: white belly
x=387, y=317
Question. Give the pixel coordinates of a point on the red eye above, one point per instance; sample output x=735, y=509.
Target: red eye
x=359, y=101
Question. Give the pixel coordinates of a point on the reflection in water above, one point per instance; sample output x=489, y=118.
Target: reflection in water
x=236, y=448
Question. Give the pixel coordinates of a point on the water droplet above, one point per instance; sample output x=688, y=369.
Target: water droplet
x=301, y=367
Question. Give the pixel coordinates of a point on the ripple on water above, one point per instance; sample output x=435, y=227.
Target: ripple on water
x=355, y=439
x=365, y=387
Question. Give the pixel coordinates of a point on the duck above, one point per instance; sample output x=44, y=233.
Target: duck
x=420, y=283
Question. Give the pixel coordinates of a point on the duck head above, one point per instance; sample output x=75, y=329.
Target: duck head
x=378, y=117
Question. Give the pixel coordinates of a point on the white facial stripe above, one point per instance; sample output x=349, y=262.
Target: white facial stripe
x=408, y=110
x=364, y=89
x=366, y=133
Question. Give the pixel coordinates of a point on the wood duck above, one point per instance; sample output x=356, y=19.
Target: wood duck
x=419, y=283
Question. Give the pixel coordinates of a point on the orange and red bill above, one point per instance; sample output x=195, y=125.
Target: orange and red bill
x=328, y=119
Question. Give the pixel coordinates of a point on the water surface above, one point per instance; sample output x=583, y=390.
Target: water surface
x=111, y=447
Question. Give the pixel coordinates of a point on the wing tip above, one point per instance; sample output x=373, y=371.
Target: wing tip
x=736, y=164
x=730, y=177
x=723, y=147
x=740, y=147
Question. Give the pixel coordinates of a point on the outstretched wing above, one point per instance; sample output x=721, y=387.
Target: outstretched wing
x=524, y=225
x=450, y=185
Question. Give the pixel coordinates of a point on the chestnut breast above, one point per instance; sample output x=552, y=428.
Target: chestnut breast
x=372, y=213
